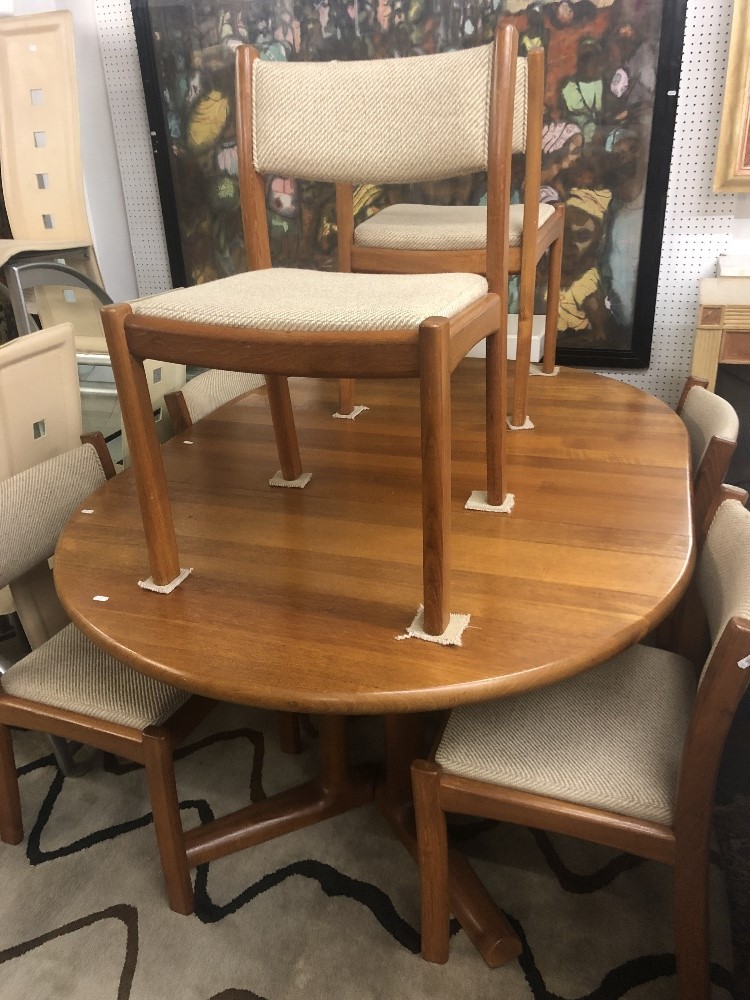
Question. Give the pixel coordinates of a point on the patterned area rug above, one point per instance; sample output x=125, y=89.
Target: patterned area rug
x=328, y=912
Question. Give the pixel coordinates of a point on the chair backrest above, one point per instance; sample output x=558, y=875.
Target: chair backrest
x=383, y=120
x=206, y=393
x=40, y=400
x=40, y=153
x=34, y=507
x=713, y=428
x=723, y=585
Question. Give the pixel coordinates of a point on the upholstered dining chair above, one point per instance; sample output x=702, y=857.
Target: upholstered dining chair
x=625, y=755
x=68, y=686
x=417, y=118
x=713, y=428
x=405, y=238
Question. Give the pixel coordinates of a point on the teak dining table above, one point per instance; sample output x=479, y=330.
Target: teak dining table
x=297, y=597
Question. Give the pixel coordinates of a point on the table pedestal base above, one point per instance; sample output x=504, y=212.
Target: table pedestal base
x=336, y=791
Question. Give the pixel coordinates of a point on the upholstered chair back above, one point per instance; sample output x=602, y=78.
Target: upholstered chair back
x=34, y=507
x=706, y=416
x=387, y=121
x=723, y=574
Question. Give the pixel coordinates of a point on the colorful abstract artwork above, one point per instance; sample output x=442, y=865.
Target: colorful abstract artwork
x=601, y=57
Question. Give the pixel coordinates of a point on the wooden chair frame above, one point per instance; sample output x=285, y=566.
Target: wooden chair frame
x=521, y=260
x=153, y=747
x=709, y=476
x=685, y=845
x=430, y=354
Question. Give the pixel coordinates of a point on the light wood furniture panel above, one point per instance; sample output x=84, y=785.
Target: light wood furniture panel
x=723, y=334
x=312, y=587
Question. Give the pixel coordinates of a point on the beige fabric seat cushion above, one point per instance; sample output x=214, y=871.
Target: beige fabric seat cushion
x=7, y=607
x=610, y=738
x=210, y=390
x=317, y=301
x=71, y=673
x=437, y=227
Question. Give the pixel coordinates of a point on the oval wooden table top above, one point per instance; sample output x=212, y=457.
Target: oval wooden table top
x=297, y=596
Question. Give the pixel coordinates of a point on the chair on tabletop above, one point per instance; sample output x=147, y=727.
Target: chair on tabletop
x=198, y=397
x=445, y=115
x=49, y=265
x=625, y=755
x=67, y=685
x=412, y=238
x=713, y=428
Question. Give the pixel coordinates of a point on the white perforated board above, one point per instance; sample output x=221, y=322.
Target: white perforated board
x=698, y=224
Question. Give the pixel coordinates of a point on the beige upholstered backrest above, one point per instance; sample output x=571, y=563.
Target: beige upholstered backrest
x=34, y=506
x=40, y=154
x=724, y=567
x=707, y=415
x=520, y=105
x=388, y=121
x=210, y=390
x=40, y=401
x=36, y=503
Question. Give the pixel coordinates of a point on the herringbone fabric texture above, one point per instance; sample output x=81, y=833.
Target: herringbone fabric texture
x=35, y=504
x=707, y=415
x=387, y=121
x=610, y=738
x=70, y=672
x=437, y=227
x=724, y=568
x=210, y=390
x=316, y=301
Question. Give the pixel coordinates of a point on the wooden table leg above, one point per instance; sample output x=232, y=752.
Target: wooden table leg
x=336, y=791
x=470, y=902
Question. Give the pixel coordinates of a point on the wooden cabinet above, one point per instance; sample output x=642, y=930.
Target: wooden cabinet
x=723, y=334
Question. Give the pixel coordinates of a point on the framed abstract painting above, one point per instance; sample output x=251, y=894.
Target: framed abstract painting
x=612, y=71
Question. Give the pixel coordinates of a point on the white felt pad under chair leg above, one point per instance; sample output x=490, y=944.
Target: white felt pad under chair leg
x=299, y=483
x=451, y=637
x=356, y=410
x=478, y=501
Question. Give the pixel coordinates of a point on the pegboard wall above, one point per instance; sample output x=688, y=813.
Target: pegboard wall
x=698, y=223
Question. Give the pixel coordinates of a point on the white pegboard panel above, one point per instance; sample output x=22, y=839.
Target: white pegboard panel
x=133, y=141
x=698, y=223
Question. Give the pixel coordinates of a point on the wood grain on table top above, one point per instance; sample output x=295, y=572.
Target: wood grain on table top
x=296, y=596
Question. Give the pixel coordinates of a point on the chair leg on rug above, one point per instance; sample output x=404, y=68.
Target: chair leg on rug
x=11, y=827
x=691, y=925
x=432, y=849
x=434, y=368
x=159, y=760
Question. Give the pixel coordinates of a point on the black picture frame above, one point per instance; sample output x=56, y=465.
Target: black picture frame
x=637, y=354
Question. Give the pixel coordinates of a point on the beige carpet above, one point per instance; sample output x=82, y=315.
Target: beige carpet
x=329, y=912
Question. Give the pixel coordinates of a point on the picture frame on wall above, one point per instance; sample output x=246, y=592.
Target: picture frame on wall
x=733, y=155
x=612, y=77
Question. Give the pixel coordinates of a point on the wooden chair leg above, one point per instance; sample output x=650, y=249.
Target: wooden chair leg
x=145, y=452
x=434, y=367
x=691, y=924
x=284, y=430
x=159, y=760
x=11, y=826
x=523, y=363
x=553, y=306
x=432, y=848
x=290, y=739
x=496, y=392
x=346, y=395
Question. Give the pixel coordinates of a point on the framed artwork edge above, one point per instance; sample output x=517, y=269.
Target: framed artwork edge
x=733, y=155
